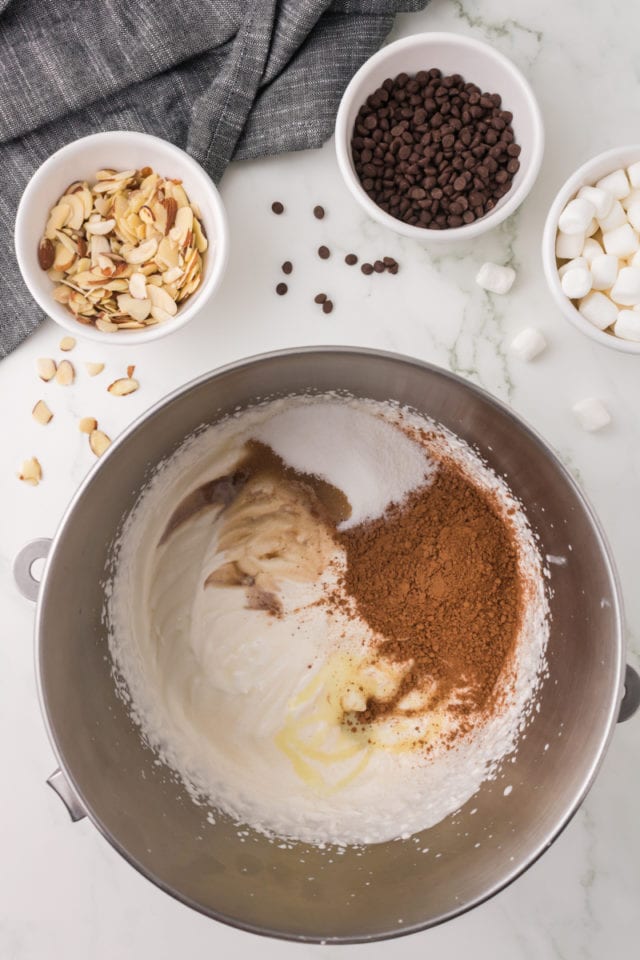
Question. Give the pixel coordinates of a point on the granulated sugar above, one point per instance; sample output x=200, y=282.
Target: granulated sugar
x=373, y=463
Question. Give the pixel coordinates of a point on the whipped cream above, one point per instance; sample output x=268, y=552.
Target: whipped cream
x=236, y=671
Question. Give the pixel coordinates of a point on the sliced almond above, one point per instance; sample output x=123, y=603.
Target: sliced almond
x=63, y=258
x=136, y=309
x=142, y=253
x=131, y=325
x=65, y=374
x=61, y=294
x=105, y=326
x=77, y=211
x=99, y=227
x=41, y=412
x=57, y=219
x=131, y=369
x=67, y=343
x=93, y=369
x=98, y=441
x=46, y=368
x=31, y=472
x=171, y=207
x=105, y=174
x=46, y=253
x=160, y=298
x=123, y=387
x=160, y=315
x=183, y=224
x=87, y=424
x=138, y=286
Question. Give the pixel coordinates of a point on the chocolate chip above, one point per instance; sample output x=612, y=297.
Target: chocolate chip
x=277, y=207
x=428, y=149
x=327, y=306
x=351, y=259
x=324, y=253
x=318, y=212
x=367, y=268
x=320, y=298
x=378, y=266
x=281, y=289
x=287, y=267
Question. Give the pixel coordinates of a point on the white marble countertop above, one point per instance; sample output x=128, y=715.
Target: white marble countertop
x=64, y=893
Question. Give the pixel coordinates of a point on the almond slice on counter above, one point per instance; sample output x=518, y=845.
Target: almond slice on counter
x=123, y=387
x=99, y=442
x=41, y=412
x=31, y=472
x=87, y=424
x=93, y=369
x=46, y=368
x=65, y=374
x=67, y=343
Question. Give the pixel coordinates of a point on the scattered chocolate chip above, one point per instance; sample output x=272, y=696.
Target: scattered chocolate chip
x=287, y=267
x=367, y=268
x=324, y=253
x=277, y=207
x=281, y=289
x=378, y=266
x=320, y=298
x=327, y=306
x=351, y=259
x=318, y=212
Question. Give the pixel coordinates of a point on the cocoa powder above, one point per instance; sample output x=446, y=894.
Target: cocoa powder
x=438, y=579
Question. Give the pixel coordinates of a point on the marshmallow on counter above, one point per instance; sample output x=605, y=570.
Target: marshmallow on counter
x=569, y=245
x=598, y=309
x=602, y=200
x=591, y=249
x=571, y=265
x=592, y=413
x=633, y=172
x=529, y=343
x=615, y=218
x=576, y=217
x=615, y=183
x=576, y=283
x=627, y=326
x=626, y=289
x=633, y=214
x=604, y=270
x=495, y=278
x=621, y=242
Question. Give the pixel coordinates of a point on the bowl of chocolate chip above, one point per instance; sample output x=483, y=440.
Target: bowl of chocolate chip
x=439, y=137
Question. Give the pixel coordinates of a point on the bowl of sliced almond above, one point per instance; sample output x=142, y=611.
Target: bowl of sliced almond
x=131, y=248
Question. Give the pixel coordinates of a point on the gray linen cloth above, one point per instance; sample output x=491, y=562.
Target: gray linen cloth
x=220, y=78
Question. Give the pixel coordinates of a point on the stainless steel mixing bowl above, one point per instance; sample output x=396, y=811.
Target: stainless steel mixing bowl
x=304, y=893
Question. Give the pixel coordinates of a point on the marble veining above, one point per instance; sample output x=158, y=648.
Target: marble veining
x=65, y=893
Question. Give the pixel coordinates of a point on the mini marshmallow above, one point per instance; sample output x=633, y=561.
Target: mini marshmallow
x=604, y=271
x=627, y=326
x=569, y=245
x=634, y=261
x=571, y=265
x=633, y=172
x=615, y=218
x=576, y=283
x=633, y=214
x=631, y=197
x=529, y=343
x=576, y=216
x=593, y=227
x=602, y=200
x=592, y=413
x=591, y=250
x=495, y=278
x=621, y=242
x=598, y=309
x=626, y=289
x=616, y=183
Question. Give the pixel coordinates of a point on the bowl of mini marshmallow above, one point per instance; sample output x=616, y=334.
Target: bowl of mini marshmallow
x=591, y=249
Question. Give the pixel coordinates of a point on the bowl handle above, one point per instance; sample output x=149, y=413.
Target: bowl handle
x=58, y=782
x=631, y=697
x=22, y=573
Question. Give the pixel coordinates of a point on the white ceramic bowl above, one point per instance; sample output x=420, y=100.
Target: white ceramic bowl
x=478, y=63
x=120, y=150
x=585, y=175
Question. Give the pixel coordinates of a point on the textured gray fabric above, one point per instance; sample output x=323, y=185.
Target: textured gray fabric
x=221, y=78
